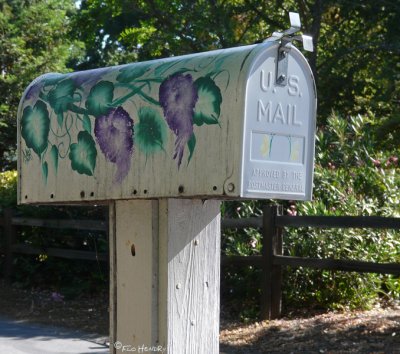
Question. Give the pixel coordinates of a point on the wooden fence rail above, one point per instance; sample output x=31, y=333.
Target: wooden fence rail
x=10, y=224
x=271, y=260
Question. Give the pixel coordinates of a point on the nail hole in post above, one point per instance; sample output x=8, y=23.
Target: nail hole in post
x=82, y=194
x=214, y=188
x=181, y=189
x=133, y=250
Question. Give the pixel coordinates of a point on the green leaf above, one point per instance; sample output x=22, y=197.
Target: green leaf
x=83, y=154
x=208, y=106
x=100, y=97
x=131, y=72
x=60, y=97
x=54, y=157
x=45, y=171
x=35, y=126
x=87, y=124
x=150, y=131
x=191, y=146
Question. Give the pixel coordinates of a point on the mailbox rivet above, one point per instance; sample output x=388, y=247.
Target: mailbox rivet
x=231, y=187
x=282, y=77
x=178, y=286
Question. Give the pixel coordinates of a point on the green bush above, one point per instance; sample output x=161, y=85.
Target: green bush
x=8, y=189
x=351, y=178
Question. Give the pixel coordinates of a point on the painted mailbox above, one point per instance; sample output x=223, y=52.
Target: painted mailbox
x=220, y=124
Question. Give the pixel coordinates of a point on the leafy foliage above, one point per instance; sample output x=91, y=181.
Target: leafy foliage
x=33, y=40
x=351, y=178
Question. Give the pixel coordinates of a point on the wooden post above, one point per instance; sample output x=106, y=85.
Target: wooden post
x=165, y=259
x=271, y=273
x=9, y=236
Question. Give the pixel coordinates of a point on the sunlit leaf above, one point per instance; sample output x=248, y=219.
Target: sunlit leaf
x=35, y=126
x=208, y=106
x=83, y=154
x=100, y=98
x=150, y=131
x=60, y=97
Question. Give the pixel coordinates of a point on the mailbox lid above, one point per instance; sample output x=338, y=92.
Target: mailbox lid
x=279, y=128
x=111, y=133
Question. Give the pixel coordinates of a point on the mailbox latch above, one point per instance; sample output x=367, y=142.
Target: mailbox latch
x=285, y=39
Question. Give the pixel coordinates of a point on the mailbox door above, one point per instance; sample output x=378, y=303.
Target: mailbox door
x=279, y=129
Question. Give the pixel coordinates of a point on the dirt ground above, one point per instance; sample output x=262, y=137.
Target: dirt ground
x=375, y=331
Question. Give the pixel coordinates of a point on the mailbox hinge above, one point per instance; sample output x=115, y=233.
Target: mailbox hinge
x=285, y=39
x=282, y=64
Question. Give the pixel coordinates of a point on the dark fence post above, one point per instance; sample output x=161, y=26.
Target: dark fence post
x=271, y=274
x=9, y=238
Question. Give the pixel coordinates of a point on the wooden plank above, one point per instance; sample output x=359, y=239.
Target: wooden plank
x=269, y=229
x=338, y=222
x=254, y=222
x=341, y=265
x=94, y=225
x=136, y=272
x=113, y=276
x=277, y=250
x=189, y=275
x=60, y=252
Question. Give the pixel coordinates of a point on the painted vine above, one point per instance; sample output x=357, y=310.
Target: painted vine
x=92, y=104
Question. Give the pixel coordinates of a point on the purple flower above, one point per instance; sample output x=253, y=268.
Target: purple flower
x=178, y=97
x=114, y=134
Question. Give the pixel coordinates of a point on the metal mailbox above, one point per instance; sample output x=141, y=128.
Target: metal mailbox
x=232, y=123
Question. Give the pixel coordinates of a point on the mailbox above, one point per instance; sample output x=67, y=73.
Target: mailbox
x=232, y=123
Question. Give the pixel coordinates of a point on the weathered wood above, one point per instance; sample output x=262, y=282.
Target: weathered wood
x=189, y=276
x=112, y=246
x=277, y=248
x=59, y=252
x=338, y=222
x=135, y=279
x=10, y=235
x=165, y=258
x=269, y=230
x=94, y=225
x=342, y=265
